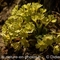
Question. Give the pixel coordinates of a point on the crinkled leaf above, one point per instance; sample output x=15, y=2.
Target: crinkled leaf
x=48, y=39
x=42, y=10
x=29, y=27
x=56, y=49
x=24, y=42
x=53, y=21
x=41, y=45
x=14, y=10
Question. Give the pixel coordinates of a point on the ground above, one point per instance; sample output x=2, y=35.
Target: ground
x=5, y=9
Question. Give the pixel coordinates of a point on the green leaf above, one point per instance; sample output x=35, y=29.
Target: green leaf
x=41, y=45
x=29, y=27
x=4, y=28
x=58, y=40
x=25, y=6
x=35, y=18
x=53, y=21
x=24, y=42
x=48, y=39
x=14, y=10
x=16, y=46
x=56, y=50
x=36, y=6
x=51, y=18
x=43, y=10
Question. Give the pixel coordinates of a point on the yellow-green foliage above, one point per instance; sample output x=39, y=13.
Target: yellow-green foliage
x=31, y=19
